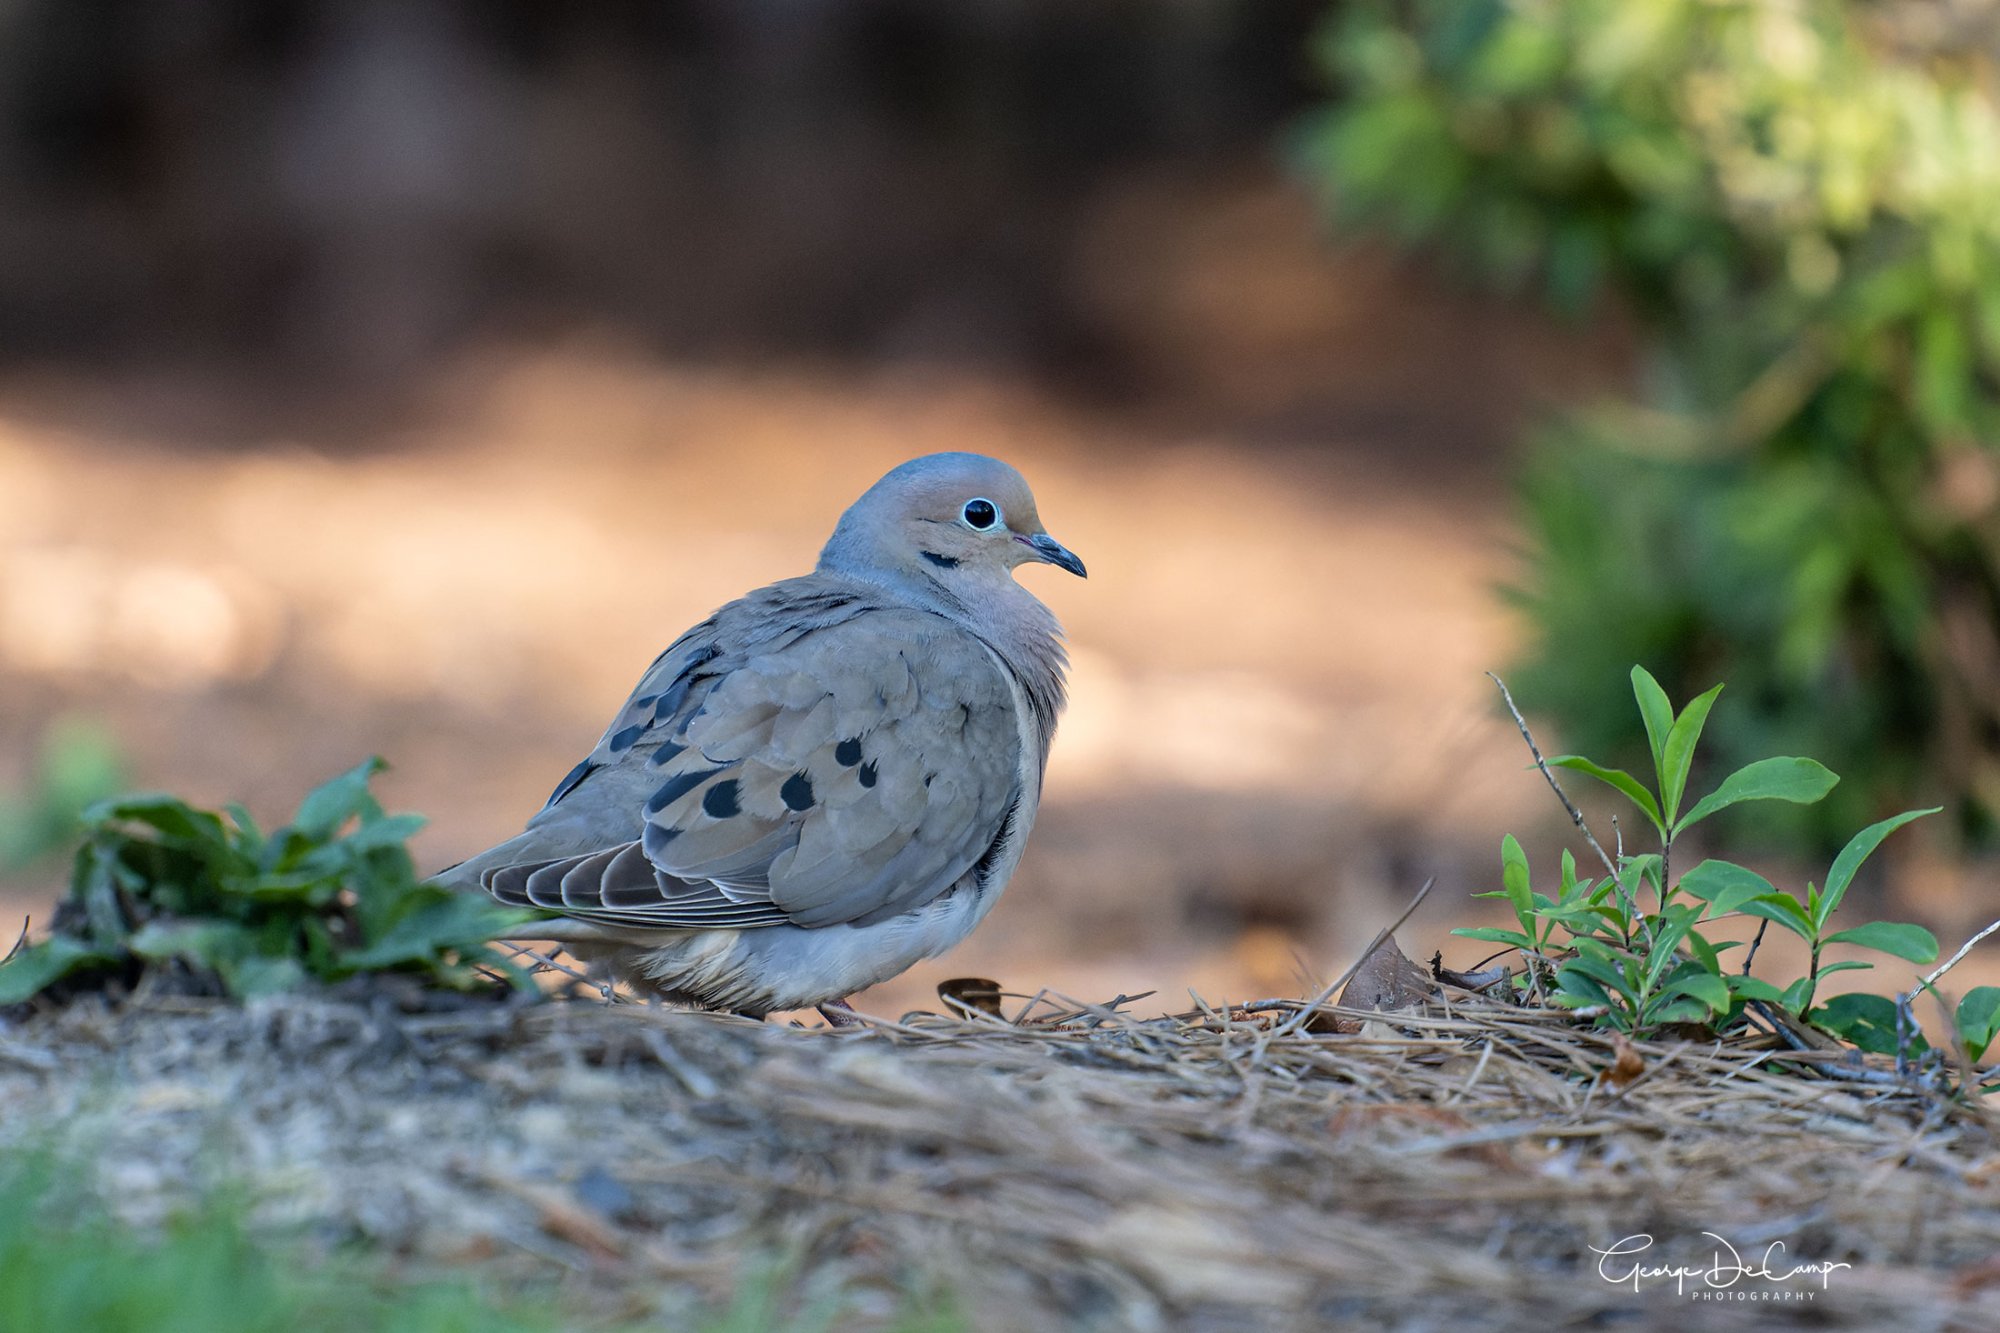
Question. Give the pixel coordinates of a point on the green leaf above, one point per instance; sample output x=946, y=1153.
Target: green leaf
x=1495, y=935
x=1678, y=754
x=384, y=832
x=1794, y=996
x=1705, y=986
x=168, y=815
x=1845, y=965
x=1868, y=1021
x=1753, y=988
x=39, y=966
x=1577, y=990
x=1611, y=978
x=1514, y=880
x=1784, y=910
x=208, y=943
x=249, y=838
x=1638, y=871
x=262, y=974
x=1725, y=886
x=1679, y=1011
x=1912, y=943
x=1665, y=942
x=328, y=807
x=1658, y=712
x=455, y=921
x=1617, y=778
x=1857, y=850
x=1978, y=1019
x=1785, y=778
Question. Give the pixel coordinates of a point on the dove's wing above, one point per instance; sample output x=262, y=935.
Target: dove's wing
x=847, y=767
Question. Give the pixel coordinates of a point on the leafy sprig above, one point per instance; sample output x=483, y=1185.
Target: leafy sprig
x=233, y=910
x=1597, y=946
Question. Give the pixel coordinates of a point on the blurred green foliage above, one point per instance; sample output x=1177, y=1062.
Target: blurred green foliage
x=78, y=765
x=1797, y=206
x=67, y=1263
x=223, y=908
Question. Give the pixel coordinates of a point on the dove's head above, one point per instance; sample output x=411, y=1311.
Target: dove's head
x=955, y=520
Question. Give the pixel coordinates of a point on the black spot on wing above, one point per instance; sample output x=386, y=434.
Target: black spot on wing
x=678, y=786
x=670, y=700
x=570, y=779
x=622, y=741
x=720, y=801
x=797, y=793
x=823, y=603
x=868, y=774
x=668, y=752
x=848, y=753
x=941, y=561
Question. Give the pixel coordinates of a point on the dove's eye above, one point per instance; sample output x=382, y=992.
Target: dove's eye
x=980, y=514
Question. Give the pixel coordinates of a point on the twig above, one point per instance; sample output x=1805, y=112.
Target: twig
x=1576, y=815
x=1963, y=949
x=604, y=988
x=1751, y=957
x=1292, y=1024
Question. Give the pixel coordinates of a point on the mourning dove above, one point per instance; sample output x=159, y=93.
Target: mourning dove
x=829, y=779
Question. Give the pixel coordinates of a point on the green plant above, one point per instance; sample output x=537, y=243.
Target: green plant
x=233, y=910
x=1597, y=946
x=1795, y=205
x=67, y=1264
x=77, y=766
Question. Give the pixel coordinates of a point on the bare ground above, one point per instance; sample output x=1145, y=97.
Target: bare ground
x=1076, y=1168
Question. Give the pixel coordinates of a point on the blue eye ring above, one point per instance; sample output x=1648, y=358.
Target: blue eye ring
x=980, y=514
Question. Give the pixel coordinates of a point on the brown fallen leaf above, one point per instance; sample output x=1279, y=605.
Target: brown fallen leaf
x=1388, y=981
x=1626, y=1065
x=968, y=995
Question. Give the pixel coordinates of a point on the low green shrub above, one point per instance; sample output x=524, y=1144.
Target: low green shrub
x=1631, y=949
x=227, y=909
x=1795, y=206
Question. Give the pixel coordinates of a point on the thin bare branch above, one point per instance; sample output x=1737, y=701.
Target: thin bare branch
x=1576, y=815
x=1963, y=949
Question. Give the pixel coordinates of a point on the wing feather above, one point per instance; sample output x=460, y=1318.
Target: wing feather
x=839, y=763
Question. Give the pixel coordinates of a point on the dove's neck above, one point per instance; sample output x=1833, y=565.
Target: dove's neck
x=1029, y=641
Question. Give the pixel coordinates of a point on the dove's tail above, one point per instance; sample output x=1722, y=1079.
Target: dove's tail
x=532, y=847
x=470, y=874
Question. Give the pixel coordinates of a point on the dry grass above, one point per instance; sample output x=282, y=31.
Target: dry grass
x=1075, y=1167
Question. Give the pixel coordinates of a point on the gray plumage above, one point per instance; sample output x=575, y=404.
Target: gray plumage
x=829, y=779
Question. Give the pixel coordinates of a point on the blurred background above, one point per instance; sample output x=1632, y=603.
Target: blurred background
x=400, y=376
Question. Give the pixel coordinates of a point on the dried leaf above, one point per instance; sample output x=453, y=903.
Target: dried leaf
x=1388, y=981
x=965, y=996
x=1626, y=1066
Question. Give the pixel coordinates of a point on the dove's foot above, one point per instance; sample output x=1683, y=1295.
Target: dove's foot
x=839, y=1014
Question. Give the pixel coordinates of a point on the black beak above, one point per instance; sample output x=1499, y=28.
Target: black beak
x=1053, y=552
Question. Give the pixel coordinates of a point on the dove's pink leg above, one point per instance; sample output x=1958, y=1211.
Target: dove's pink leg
x=839, y=1014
